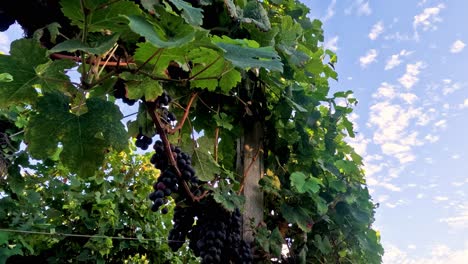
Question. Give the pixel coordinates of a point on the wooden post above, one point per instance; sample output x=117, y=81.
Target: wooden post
x=251, y=159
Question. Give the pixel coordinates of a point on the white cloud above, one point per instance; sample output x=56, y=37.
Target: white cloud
x=4, y=43
x=391, y=122
x=411, y=246
x=431, y=138
x=411, y=75
x=457, y=46
x=398, y=37
x=428, y=18
x=376, y=30
x=332, y=44
x=385, y=90
x=369, y=58
x=441, y=198
x=409, y=98
x=394, y=60
x=441, y=124
x=330, y=11
x=439, y=254
x=464, y=104
x=361, y=7
x=449, y=86
x=364, y=9
x=460, y=219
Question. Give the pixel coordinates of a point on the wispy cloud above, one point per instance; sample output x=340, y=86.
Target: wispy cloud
x=330, y=11
x=370, y=57
x=457, y=46
x=332, y=44
x=431, y=138
x=411, y=75
x=361, y=7
x=395, y=59
x=376, y=30
x=448, y=86
x=460, y=219
x=438, y=254
x=428, y=19
x=464, y=104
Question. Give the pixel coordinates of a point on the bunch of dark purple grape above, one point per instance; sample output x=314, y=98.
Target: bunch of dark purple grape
x=143, y=141
x=183, y=221
x=120, y=92
x=216, y=237
x=166, y=184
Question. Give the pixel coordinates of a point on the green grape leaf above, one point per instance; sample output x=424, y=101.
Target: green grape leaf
x=296, y=105
x=27, y=68
x=347, y=167
x=159, y=62
x=99, y=47
x=156, y=35
x=297, y=215
x=247, y=54
x=191, y=15
x=304, y=184
x=262, y=238
x=290, y=32
x=276, y=242
x=323, y=245
x=139, y=86
x=100, y=16
x=53, y=29
x=85, y=138
x=254, y=12
x=229, y=80
x=202, y=159
x=208, y=64
x=227, y=198
x=224, y=121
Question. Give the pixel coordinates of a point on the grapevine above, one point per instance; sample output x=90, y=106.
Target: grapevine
x=234, y=106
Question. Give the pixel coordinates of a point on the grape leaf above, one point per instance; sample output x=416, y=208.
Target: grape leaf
x=203, y=161
x=101, y=16
x=229, y=80
x=192, y=15
x=247, y=54
x=298, y=215
x=159, y=63
x=156, y=35
x=29, y=67
x=254, y=12
x=85, y=138
x=99, y=47
x=304, y=184
x=276, y=242
x=322, y=244
x=139, y=86
x=226, y=197
x=207, y=66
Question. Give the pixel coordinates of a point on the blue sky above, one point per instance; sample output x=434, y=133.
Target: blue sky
x=407, y=63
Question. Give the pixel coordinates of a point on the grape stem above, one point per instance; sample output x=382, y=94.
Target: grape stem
x=186, y=113
x=247, y=170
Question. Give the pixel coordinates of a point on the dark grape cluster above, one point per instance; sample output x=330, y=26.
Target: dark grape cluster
x=120, y=92
x=163, y=100
x=143, y=141
x=216, y=237
x=166, y=184
x=183, y=222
